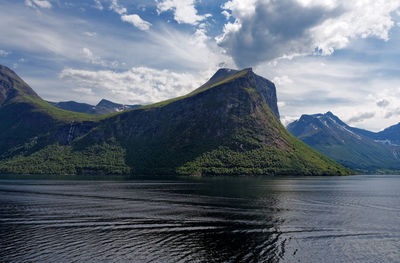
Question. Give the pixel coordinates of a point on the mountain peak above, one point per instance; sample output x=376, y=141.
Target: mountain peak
x=12, y=86
x=225, y=75
x=107, y=103
x=6, y=70
x=223, y=71
x=327, y=119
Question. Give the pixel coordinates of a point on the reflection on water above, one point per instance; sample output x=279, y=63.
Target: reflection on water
x=351, y=219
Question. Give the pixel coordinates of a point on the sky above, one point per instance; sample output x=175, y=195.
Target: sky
x=333, y=55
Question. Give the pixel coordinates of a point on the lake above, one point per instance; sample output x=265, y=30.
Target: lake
x=286, y=219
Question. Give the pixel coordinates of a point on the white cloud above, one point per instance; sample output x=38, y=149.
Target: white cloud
x=226, y=14
x=185, y=11
x=281, y=104
x=137, y=21
x=59, y=40
x=88, y=53
x=360, y=117
x=98, y=5
x=139, y=85
x=38, y=3
x=29, y=3
x=362, y=18
x=46, y=33
x=191, y=52
x=90, y=34
x=264, y=30
x=288, y=119
x=241, y=9
x=382, y=103
x=282, y=80
x=87, y=91
x=4, y=53
x=392, y=113
x=114, y=6
x=133, y=19
x=90, y=57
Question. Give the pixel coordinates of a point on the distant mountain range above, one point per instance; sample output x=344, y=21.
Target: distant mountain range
x=229, y=126
x=352, y=147
x=103, y=107
x=390, y=135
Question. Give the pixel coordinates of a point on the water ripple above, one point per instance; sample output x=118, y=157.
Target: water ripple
x=207, y=220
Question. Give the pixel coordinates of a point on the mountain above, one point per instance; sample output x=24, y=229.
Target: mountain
x=349, y=146
x=106, y=106
x=103, y=107
x=223, y=128
x=73, y=106
x=389, y=136
x=25, y=117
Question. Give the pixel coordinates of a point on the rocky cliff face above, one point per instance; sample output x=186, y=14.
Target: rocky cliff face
x=264, y=86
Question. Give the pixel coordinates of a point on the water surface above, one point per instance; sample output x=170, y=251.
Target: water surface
x=324, y=219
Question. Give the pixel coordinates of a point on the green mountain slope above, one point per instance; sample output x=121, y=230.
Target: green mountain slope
x=344, y=144
x=224, y=128
x=24, y=114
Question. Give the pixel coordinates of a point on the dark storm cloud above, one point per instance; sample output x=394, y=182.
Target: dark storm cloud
x=276, y=29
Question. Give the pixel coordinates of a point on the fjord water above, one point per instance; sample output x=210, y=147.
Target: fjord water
x=324, y=219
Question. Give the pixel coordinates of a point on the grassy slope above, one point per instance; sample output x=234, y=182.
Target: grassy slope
x=58, y=114
x=362, y=157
